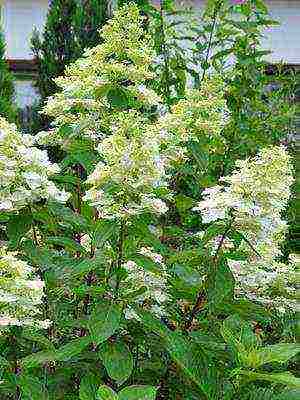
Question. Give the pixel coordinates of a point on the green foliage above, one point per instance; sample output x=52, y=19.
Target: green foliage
x=145, y=305
x=7, y=109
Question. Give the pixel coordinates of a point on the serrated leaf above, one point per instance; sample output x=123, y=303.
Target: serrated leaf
x=280, y=353
x=104, y=321
x=68, y=216
x=220, y=285
x=117, y=360
x=38, y=338
x=186, y=353
x=36, y=359
x=284, y=378
x=67, y=243
x=184, y=203
x=64, y=353
x=146, y=262
x=87, y=265
x=106, y=393
x=201, y=157
x=17, y=226
x=118, y=97
x=72, y=349
x=138, y=393
x=103, y=231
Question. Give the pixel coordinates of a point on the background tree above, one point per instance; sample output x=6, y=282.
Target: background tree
x=6, y=85
x=71, y=27
x=57, y=46
x=90, y=15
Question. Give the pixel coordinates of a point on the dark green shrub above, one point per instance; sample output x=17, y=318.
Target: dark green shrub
x=71, y=27
x=6, y=85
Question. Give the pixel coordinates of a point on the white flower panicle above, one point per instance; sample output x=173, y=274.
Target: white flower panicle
x=93, y=87
x=21, y=293
x=24, y=171
x=203, y=113
x=135, y=164
x=255, y=196
x=152, y=284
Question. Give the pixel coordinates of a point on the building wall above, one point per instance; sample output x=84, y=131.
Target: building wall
x=284, y=40
x=19, y=18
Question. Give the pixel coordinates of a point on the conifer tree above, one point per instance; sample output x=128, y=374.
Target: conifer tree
x=57, y=46
x=71, y=26
x=6, y=85
x=89, y=17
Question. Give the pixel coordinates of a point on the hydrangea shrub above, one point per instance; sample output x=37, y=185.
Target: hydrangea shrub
x=135, y=303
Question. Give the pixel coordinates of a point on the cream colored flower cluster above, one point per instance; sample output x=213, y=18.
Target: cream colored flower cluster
x=133, y=166
x=202, y=114
x=253, y=198
x=151, y=284
x=24, y=171
x=21, y=293
x=272, y=284
x=96, y=87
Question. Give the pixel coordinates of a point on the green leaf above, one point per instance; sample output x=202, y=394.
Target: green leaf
x=64, y=353
x=146, y=263
x=36, y=359
x=235, y=330
x=87, y=265
x=261, y=6
x=242, y=341
x=117, y=360
x=106, y=393
x=193, y=361
x=184, y=203
x=186, y=353
x=31, y=388
x=103, y=232
x=118, y=97
x=220, y=286
x=138, y=393
x=201, y=157
x=68, y=243
x=104, y=321
x=280, y=353
x=18, y=225
x=72, y=349
x=37, y=338
x=247, y=310
x=284, y=378
x=68, y=216
x=88, y=387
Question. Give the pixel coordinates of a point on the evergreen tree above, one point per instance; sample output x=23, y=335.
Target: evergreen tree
x=71, y=26
x=89, y=17
x=6, y=85
x=57, y=47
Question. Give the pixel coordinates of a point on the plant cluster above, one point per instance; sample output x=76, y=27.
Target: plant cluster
x=148, y=264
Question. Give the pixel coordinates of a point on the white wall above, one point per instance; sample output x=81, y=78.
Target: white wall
x=25, y=93
x=19, y=18
x=283, y=40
